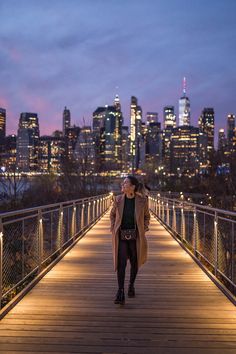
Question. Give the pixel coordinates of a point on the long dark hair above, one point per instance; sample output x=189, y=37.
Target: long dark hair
x=135, y=182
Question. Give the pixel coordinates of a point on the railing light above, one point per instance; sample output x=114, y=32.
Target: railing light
x=83, y=206
x=1, y=234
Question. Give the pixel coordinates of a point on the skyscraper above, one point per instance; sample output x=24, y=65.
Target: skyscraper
x=169, y=116
x=154, y=144
x=117, y=103
x=230, y=131
x=84, y=151
x=51, y=151
x=184, y=107
x=135, y=132
x=2, y=125
x=152, y=117
x=72, y=134
x=28, y=142
x=185, y=150
x=133, y=113
x=65, y=120
x=206, y=124
x=221, y=140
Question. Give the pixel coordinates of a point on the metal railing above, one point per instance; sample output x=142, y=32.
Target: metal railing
x=31, y=239
x=209, y=235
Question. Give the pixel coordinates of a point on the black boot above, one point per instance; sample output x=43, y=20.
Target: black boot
x=120, y=297
x=131, y=291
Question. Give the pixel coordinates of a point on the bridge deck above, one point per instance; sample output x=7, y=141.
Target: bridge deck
x=177, y=308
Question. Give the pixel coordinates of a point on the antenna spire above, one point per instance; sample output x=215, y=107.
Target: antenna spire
x=184, y=86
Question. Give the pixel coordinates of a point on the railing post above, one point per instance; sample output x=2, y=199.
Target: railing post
x=100, y=206
x=82, y=215
x=1, y=262
x=216, y=242
x=174, y=218
x=40, y=239
x=97, y=212
x=182, y=223
x=88, y=218
x=167, y=214
x=73, y=222
x=61, y=227
x=232, y=252
x=195, y=231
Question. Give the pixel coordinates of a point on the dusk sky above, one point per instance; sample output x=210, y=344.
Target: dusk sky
x=80, y=53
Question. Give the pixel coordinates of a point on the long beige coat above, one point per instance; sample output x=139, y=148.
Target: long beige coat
x=142, y=216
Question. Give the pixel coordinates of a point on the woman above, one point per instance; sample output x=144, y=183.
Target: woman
x=129, y=219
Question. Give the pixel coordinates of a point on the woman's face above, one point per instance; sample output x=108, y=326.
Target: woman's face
x=127, y=186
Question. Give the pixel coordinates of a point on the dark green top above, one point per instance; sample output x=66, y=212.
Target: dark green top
x=128, y=214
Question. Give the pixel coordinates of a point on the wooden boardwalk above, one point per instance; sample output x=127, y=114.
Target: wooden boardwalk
x=177, y=308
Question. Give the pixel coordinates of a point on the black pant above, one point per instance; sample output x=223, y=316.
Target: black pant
x=127, y=249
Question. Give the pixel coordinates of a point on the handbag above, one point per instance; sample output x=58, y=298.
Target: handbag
x=129, y=234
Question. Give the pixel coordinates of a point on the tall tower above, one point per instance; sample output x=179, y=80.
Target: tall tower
x=152, y=117
x=28, y=142
x=169, y=117
x=2, y=125
x=230, y=130
x=66, y=120
x=117, y=103
x=133, y=131
x=207, y=126
x=184, y=107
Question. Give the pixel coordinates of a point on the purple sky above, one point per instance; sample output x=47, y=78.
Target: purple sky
x=77, y=52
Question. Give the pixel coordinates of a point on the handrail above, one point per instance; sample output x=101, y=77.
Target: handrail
x=32, y=239
x=208, y=233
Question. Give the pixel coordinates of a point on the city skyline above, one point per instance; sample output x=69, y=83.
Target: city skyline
x=82, y=61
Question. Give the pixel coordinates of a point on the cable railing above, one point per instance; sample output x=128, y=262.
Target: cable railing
x=32, y=240
x=209, y=234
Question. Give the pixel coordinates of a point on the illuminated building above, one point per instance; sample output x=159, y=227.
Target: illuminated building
x=125, y=149
x=184, y=150
x=152, y=117
x=107, y=134
x=51, y=151
x=230, y=132
x=206, y=125
x=112, y=139
x=184, y=107
x=66, y=120
x=154, y=144
x=135, y=132
x=169, y=117
x=98, y=124
x=85, y=151
x=27, y=142
x=166, y=139
x=2, y=126
x=8, y=155
x=71, y=136
x=222, y=142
